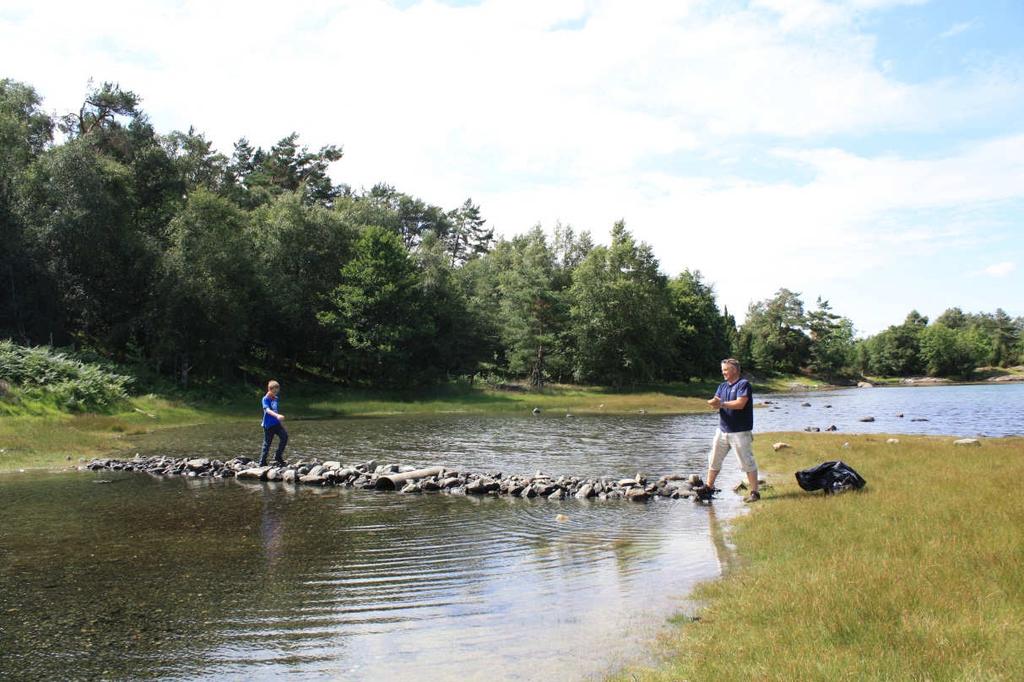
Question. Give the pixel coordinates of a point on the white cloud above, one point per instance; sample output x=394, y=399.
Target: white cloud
x=958, y=28
x=1000, y=269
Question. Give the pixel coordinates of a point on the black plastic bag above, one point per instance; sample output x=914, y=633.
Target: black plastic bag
x=832, y=477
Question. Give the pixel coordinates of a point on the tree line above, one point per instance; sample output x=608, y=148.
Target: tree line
x=157, y=250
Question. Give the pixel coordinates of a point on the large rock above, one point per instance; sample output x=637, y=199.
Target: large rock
x=780, y=446
x=198, y=464
x=637, y=495
x=482, y=486
x=544, y=489
x=585, y=491
x=253, y=473
x=974, y=442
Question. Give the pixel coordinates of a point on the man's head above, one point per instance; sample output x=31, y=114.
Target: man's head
x=731, y=369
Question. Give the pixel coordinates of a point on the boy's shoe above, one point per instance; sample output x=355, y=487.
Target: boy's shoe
x=752, y=497
x=280, y=463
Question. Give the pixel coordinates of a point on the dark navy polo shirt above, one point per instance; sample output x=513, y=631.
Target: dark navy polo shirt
x=734, y=421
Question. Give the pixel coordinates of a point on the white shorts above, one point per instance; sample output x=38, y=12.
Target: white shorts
x=742, y=442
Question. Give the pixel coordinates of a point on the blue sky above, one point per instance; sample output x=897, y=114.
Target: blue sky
x=870, y=152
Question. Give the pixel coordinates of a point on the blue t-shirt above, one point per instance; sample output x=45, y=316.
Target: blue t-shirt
x=734, y=421
x=270, y=403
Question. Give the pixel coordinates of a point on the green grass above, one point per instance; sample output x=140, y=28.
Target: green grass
x=789, y=382
x=918, y=577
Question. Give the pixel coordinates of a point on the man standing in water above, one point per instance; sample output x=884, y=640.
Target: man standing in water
x=734, y=400
x=272, y=425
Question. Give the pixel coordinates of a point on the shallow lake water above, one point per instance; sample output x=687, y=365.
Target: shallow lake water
x=965, y=410
x=196, y=578
x=125, y=576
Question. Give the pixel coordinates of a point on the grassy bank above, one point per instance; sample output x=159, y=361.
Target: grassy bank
x=34, y=434
x=918, y=577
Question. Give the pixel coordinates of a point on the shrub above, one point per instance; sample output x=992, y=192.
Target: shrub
x=71, y=384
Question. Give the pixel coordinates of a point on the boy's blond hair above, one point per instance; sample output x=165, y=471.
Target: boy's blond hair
x=273, y=384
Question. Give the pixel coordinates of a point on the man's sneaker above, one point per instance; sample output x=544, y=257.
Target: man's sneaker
x=705, y=492
x=752, y=497
x=280, y=463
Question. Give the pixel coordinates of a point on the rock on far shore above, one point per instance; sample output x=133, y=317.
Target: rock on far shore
x=1007, y=377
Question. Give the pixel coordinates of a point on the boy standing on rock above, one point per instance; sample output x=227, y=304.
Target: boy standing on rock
x=272, y=425
x=735, y=402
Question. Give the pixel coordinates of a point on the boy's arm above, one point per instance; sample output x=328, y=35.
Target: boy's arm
x=267, y=410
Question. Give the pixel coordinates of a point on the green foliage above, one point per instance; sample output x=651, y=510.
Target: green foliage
x=897, y=350
x=257, y=176
x=461, y=339
x=25, y=129
x=71, y=384
x=468, y=235
x=621, y=314
x=772, y=338
x=702, y=332
x=205, y=289
x=297, y=249
x=25, y=133
x=832, y=346
x=78, y=210
x=377, y=309
x=533, y=307
x=952, y=346
x=946, y=352
x=160, y=252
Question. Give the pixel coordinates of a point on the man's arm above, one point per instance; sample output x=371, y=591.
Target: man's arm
x=741, y=400
x=737, y=404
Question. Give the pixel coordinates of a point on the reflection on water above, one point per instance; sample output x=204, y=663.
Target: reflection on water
x=178, y=578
